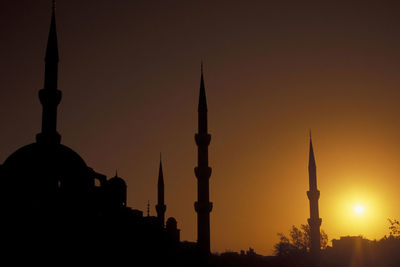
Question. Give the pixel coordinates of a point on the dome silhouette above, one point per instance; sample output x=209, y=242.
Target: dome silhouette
x=116, y=191
x=37, y=172
x=172, y=223
x=117, y=182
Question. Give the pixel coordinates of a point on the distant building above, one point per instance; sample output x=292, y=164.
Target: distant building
x=354, y=251
x=347, y=244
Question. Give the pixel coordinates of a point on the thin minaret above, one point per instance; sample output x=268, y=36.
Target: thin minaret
x=203, y=206
x=50, y=96
x=313, y=195
x=160, y=207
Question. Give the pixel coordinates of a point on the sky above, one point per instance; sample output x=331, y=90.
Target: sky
x=130, y=73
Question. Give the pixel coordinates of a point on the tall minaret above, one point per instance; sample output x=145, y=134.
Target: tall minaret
x=313, y=195
x=203, y=206
x=160, y=207
x=50, y=96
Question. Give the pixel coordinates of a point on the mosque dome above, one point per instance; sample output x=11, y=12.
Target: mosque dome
x=116, y=191
x=117, y=182
x=36, y=173
x=37, y=154
x=171, y=223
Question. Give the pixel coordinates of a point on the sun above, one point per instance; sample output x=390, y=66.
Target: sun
x=358, y=209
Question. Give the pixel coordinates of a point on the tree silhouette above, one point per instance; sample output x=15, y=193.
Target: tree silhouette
x=298, y=243
x=394, y=228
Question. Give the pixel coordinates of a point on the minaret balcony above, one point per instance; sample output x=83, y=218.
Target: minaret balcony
x=202, y=139
x=203, y=172
x=313, y=195
x=203, y=207
x=314, y=221
x=50, y=97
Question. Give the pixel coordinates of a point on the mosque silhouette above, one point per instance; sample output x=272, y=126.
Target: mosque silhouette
x=54, y=206
x=55, y=209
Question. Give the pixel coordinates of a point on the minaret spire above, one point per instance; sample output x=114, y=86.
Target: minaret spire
x=313, y=195
x=50, y=96
x=311, y=160
x=203, y=206
x=202, y=98
x=160, y=207
x=52, y=57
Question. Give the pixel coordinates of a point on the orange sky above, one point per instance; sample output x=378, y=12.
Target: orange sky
x=130, y=71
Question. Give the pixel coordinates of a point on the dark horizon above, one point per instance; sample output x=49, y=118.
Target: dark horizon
x=129, y=73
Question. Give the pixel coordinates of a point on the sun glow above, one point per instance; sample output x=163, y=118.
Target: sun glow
x=359, y=209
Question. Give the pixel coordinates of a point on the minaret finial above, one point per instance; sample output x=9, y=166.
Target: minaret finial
x=148, y=208
x=116, y=172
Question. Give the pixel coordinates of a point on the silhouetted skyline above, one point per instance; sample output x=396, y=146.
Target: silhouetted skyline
x=55, y=208
x=129, y=76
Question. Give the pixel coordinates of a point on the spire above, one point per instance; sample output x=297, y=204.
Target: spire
x=311, y=161
x=50, y=96
x=160, y=207
x=148, y=208
x=160, y=175
x=116, y=173
x=52, y=44
x=202, y=96
x=52, y=58
x=202, y=108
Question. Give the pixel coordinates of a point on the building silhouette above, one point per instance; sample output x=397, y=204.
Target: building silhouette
x=313, y=195
x=53, y=204
x=203, y=206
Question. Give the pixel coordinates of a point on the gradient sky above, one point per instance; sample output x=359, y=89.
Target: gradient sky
x=130, y=71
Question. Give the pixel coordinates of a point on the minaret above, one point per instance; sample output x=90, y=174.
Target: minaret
x=313, y=195
x=160, y=207
x=203, y=206
x=50, y=96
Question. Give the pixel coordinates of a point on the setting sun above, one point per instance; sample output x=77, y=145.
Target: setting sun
x=359, y=209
